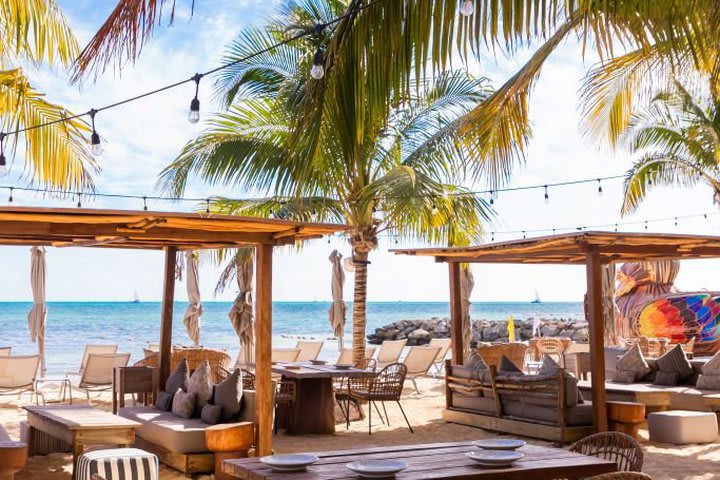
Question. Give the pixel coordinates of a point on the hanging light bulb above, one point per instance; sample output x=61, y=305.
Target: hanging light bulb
x=194, y=112
x=11, y=199
x=318, y=69
x=3, y=161
x=95, y=146
x=467, y=8
x=492, y=197
x=435, y=209
x=547, y=196
x=492, y=236
x=600, y=190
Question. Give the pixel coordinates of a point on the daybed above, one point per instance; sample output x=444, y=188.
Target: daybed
x=546, y=407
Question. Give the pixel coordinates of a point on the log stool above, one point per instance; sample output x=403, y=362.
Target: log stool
x=626, y=417
x=229, y=441
x=13, y=456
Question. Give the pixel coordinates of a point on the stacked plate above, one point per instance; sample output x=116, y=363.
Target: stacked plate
x=499, y=444
x=377, y=468
x=496, y=452
x=289, y=463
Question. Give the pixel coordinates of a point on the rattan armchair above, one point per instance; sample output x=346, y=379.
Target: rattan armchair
x=286, y=394
x=622, y=476
x=387, y=386
x=553, y=347
x=514, y=351
x=219, y=360
x=614, y=446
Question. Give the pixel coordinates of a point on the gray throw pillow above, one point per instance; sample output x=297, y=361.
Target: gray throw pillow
x=474, y=361
x=228, y=394
x=708, y=382
x=666, y=378
x=178, y=378
x=675, y=361
x=634, y=361
x=164, y=401
x=712, y=366
x=211, y=414
x=200, y=383
x=548, y=366
x=507, y=367
x=624, y=376
x=183, y=404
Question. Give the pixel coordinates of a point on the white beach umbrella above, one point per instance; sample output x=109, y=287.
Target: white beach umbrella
x=338, y=309
x=38, y=313
x=194, y=311
x=467, y=283
x=241, y=313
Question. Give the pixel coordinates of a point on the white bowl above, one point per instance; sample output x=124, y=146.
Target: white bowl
x=289, y=463
x=377, y=468
x=499, y=443
x=494, y=458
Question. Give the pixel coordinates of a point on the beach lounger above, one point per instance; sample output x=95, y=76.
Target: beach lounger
x=91, y=349
x=5, y=351
x=284, y=354
x=418, y=361
x=346, y=355
x=308, y=350
x=98, y=373
x=18, y=374
x=444, y=344
x=390, y=351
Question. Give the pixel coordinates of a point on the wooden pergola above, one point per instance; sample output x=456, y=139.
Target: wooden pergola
x=595, y=250
x=173, y=232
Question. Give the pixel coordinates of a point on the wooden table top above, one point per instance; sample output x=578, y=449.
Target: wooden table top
x=319, y=371
x=79, y=417
x=440, y=460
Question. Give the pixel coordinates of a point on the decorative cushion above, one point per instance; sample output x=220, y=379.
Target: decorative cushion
x=712, y=366
x=675, y=361
x=475, y=361
x=708, y=382
x=228, y=394
x=164, y=401
x=200, y=383
x=548, y=366
x=624, y=376
x=634, y=361
x=178, y=378
x=211, y=414
x=183, y=404
x=507, y=367
x=666, y=378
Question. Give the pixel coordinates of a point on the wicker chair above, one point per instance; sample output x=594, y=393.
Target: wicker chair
x=248, y=379
x=554, y=347
x=614, y=446
x=622, y=476
x=286, y=394
x=514, y=351
x=387, y=386
x=219, y=360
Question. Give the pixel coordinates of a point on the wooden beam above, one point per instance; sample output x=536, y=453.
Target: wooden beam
x=291, y=232
x=456, y=334
x=166, y=319
x=264, y=404
x=597, y=339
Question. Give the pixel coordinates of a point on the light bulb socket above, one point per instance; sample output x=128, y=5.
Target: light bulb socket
x=195, y=105
x=95, y=138
x=3, y=160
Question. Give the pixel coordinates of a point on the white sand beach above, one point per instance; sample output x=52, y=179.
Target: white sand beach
x=662, y=461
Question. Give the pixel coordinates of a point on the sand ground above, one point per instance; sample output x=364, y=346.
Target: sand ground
x=662, y=461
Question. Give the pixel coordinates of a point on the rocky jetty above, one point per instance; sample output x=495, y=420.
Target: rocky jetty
x=420, y=332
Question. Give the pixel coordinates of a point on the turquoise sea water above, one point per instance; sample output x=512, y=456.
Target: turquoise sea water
x=70, y=325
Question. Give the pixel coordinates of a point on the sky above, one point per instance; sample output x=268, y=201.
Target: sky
x=143, y=137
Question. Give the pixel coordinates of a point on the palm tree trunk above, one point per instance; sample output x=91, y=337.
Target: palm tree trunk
x=360, y=257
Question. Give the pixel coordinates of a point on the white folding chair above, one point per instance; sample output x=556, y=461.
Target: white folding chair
x=418, y=361
x=284, y=355
x=346, y=355
x=18, y=374
x=444, y=344
x=99, y=370
x=308, y=350
x=93, y=349
x=389, y=352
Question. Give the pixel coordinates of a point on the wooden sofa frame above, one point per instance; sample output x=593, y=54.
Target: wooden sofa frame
x=499, y=388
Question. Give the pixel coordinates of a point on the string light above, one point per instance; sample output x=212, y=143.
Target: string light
x=207, y=205
x=145, y=203
x=79, y=204
x=3, y=161
x=547, y=197
x=492, y=197
x=467, y=8
x=95, y=147
x=10, y=198
x=318, y=69
x=600, y=190
x=194, y=112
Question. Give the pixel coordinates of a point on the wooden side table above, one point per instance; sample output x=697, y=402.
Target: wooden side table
x=229, y=441
x=142, y=381
x=626, y=417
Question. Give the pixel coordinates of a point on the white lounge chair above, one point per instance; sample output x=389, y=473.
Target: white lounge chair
x=284, y=355
x=18, y=374
x=308, y=350
x=93, y=349
x=418, y=361
x=5, y=351
x=390, y=351
x=97, y=376
x=444, y=344
x=346, y=355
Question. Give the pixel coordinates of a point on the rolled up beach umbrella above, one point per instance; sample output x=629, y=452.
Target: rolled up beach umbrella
x=38, y=313
x=338, y=309
x=241, y=313
x=194, y=310
x=467, y=283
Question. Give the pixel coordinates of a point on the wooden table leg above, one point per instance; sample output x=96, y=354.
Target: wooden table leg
x=314, y=408
x=77, y=452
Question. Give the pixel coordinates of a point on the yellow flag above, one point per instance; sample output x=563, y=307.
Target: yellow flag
x=511, y=329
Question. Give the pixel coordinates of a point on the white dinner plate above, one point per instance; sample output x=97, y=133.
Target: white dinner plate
x=494, y=458
x=377, y=468
x=318, y=362
x=343, y=366
x=289, y=463
x=499, y=443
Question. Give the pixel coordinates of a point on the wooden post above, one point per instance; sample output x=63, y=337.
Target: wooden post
x=456, y=333
x=166, y=318
x=263, y=350
x=597, y=339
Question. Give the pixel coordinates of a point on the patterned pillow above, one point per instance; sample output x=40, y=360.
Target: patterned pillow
x=183, y=404
x=708, y=382
x=507, y=367
x=475, y=361
x=666, y=378
x=712, y=366
x=633, y=361
x=228, y=394
x=178, y=378
x=164, y=401
x=200, y=383
x=624, y=376
x=675, y=361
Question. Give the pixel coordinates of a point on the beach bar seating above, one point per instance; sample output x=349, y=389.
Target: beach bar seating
x=285, y=355
x=93, y=349
x=18, y=374
x=444, y=344
x=309, y=350
x=97, y=376
x=346, y=355
x=418, y=362
x=390, y=352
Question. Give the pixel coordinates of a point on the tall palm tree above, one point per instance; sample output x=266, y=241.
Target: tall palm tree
x=383, y=174
x=679, y=131
x=35, y=33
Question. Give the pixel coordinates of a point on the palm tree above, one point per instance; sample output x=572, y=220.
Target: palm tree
x=36, y=33
x=382, y=174
x=679, y=131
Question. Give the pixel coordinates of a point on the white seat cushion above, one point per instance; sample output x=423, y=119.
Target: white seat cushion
x=118, y=464
x=181, y=435
x=683, y=427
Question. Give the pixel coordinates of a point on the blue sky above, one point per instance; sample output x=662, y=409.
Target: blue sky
x=145, y=136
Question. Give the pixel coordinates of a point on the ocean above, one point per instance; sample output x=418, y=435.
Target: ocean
x=70, y=325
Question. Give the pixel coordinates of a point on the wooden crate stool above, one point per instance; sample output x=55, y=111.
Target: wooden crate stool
x=626, y=417
x=229, y=441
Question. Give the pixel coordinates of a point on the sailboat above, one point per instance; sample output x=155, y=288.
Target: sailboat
x=136, y=297
x=537, y=298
